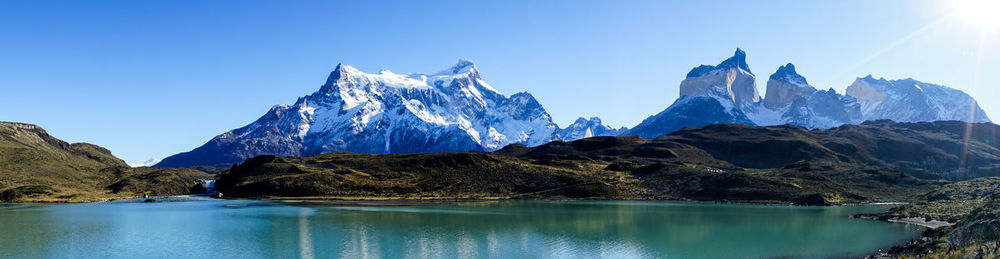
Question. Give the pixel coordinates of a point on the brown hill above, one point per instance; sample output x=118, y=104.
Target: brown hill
x=36, y=167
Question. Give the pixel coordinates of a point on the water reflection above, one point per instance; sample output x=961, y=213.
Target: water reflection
x=479, y=230
x=305, y=237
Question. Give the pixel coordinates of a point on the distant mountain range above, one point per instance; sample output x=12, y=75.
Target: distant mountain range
x=455, y=110
x=727, y=93
x=452, y=110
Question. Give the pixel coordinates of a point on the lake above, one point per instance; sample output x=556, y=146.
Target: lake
x=204, y=228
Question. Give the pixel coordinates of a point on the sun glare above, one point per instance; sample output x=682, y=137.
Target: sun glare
x=985, y=13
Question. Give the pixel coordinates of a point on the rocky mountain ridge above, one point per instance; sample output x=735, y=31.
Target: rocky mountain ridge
x=726, y=93
x=451, y=111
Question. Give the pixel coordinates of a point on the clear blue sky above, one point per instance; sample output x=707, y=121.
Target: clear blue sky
x=153, y=78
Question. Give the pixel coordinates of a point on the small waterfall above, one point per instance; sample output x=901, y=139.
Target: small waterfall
x=209, y=187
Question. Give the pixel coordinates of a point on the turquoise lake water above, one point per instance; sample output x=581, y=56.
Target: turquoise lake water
x=504, y=229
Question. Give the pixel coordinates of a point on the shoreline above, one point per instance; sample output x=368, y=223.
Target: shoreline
x=932, y=224
x=425, y=201
x=397, y=201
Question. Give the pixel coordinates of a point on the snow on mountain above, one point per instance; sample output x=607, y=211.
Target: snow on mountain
x=456, y=110
x=909, y=100
x=452, y=110
x=727, y=94
x=150, y=162
x=794, y=101
x=585, y=128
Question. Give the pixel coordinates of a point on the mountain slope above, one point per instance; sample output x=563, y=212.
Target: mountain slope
x=931, y=150
x=690, y=111
x=453, y=110
x=35, y=166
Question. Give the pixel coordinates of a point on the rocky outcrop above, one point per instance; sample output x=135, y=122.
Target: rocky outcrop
x=730, y=80
x=786, y=86
x=708, y=95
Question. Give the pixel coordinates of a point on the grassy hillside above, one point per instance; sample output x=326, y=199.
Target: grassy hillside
x=36, y=167
x=876, y=161
x=951, y=150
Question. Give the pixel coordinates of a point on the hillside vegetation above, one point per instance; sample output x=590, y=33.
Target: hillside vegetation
x=875, y=161
x=36, y=167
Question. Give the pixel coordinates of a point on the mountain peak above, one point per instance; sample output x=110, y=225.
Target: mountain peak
x=345, y=68
x=731, y=81
x=787, y=73
x=339, y=72
x=738, y=60
x=786, y=86
x=787, y=69
x=463, y=66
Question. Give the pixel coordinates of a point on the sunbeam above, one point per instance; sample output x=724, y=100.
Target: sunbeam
x=975, y=86
x=896, y=43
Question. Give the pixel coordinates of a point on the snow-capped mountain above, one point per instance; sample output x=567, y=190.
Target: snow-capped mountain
x=708, y=95
x=585, y=128
x=909, y=100
x=453, y=110
x=791, y=100
x=726, y=93
x=731, y=82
